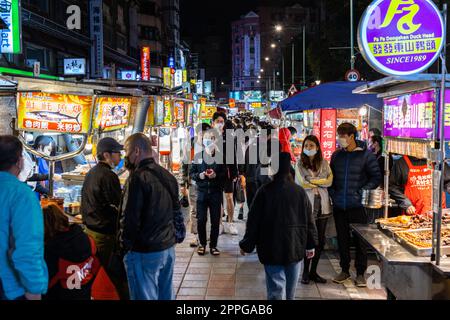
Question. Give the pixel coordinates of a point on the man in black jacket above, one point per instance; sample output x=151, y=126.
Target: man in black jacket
x=209, y=176
x=355, y=169
x=281, y=226
x=147, y=231
x=99, y=207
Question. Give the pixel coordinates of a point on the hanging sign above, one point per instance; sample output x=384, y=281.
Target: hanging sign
x=112, y=113
x=50, y=112
x=167, y=111
x=145, y=63
x=401, y=37
x=328, y=132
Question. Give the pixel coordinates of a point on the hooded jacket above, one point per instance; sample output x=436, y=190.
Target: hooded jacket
x=74, y=246
x=353, y=172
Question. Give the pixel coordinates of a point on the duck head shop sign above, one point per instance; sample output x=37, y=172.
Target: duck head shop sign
x=112, y=113
x=401, y=37
x=49, y=112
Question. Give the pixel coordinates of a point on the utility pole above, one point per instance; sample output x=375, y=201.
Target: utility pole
x=293, y=63
x=352, y=45
x=304, y=55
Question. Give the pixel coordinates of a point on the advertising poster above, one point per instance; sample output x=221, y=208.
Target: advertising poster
x=112, y=113
x=49, y=112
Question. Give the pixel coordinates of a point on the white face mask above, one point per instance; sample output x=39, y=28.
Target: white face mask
x=219, y=126
x=310, y=153
x=343, y=142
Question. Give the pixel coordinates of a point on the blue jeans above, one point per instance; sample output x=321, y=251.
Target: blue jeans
x=150, y=274
x=281, y=281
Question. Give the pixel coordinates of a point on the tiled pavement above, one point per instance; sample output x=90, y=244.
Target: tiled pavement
x=231, y=276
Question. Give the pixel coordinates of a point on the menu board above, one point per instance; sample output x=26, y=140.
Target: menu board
x=112, y=113
x=410, y=116
x=51, y=112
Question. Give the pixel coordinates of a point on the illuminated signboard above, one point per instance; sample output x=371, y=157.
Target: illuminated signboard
x=145, y=63
x=112, y=113
x=50, y=112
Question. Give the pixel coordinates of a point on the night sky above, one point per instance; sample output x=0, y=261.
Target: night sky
x=201, y=18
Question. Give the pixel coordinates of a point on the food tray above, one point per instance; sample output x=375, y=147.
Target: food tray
x=418, y=251
x=73, y=177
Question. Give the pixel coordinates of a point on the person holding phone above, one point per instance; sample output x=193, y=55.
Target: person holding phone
x=209, y=176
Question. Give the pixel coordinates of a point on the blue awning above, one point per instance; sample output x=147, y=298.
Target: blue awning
x=336, y=95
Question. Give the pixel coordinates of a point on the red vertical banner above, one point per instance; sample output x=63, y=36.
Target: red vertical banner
x=328, y=132
x=145, y=63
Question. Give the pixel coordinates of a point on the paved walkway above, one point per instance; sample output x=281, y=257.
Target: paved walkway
x=231, y=276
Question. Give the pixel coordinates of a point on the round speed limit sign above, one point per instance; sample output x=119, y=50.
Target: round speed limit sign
x=353, y=75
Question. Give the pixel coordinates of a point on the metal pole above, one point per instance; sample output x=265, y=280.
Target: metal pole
x=274, y=81
x=304, y=55
x=282, y=67
x=441, y=160
x=51, y=174
x=352, y=45
x=293, y=63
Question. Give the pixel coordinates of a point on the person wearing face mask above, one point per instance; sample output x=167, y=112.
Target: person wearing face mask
x=209, y=175
x=100, y=201
x=313, y=174
x=148, y=230
x=23, y=271
x=354, y=169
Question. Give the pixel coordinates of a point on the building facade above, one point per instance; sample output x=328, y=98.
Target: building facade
x=246, y=54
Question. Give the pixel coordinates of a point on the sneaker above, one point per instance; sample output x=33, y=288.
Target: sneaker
x=233, y=230
x=317, y=279
x=341, y=278
x=194, y=243
x=360, y=281
x=241, y=214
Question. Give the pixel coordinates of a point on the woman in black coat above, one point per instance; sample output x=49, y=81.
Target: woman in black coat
x=281, y=227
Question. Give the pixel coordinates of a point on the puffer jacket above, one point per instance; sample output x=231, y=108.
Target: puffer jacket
x=22, y=265
x=353, y=172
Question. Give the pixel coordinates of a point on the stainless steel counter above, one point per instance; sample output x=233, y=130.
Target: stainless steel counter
x=405, y=275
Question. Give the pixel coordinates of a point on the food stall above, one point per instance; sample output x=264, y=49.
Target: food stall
x=412, y=247
x=326, y=106
x=405, y=243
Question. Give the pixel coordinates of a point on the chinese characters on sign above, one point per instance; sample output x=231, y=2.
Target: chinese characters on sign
x=112, y=113
x=398, y=37
x=74, y=66
x=11, y=36
x=54, y=112
x=410, y=116
x=145, y=63
x=328, y=132
x=167, y=77
x=96, y=17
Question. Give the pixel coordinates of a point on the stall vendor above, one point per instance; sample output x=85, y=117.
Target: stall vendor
x=411, y=185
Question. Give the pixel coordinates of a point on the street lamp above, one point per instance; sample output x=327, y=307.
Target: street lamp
x=267, y=59
x=273, y=45
x=262, y=70
x=278, y=28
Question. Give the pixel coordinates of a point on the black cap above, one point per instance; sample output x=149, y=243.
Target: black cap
x=108, y=145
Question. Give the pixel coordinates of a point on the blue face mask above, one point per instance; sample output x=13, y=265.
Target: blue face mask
x=310, y=153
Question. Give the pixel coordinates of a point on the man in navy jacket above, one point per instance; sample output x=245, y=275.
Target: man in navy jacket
x=355, y=169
